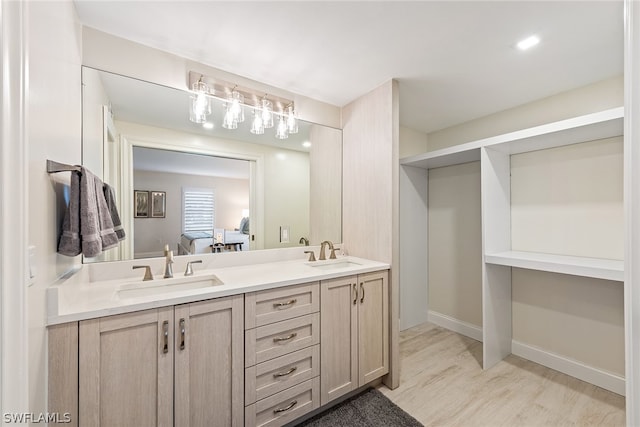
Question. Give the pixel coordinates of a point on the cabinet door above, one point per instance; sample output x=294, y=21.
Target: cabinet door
x=373, y=326
x=126, y=370
x=338, y=338
x=209, y=363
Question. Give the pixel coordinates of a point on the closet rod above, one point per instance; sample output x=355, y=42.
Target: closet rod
x=54, y=167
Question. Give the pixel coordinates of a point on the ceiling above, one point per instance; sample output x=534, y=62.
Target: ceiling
x=455, y=61
x=154, y=160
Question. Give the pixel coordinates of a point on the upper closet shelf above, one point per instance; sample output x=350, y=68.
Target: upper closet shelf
x=463, y=153
x=597, y=268
x=590, y=127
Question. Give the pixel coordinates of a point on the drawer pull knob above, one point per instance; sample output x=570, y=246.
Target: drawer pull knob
x=286, y=408
x=287, y=338
x=284, y=374
x=285, y=304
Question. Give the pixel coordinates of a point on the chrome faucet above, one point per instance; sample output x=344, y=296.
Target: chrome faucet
x=168, y=262
x=322, y=254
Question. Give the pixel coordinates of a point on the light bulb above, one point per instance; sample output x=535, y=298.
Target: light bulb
x=292, y=122
x=257, y=126
x=236, y=99
x=200, y=102
x=229, y=122
x=267, y=113
x=281, y=131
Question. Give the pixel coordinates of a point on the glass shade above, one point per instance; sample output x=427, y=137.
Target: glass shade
x=281, y=131
x=267, y=113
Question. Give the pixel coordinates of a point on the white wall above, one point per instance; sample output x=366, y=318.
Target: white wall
x=54, y=132
x=566, y=200
x=151, y=234
x=455, y=242
x=589, y=99
x=412, y=142
x=94, y=98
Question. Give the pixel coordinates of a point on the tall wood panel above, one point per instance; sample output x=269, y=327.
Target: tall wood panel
x=371, y=192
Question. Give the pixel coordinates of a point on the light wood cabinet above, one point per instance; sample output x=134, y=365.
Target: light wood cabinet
x=127, y=375
x=209, y=371
x=125, y=370
x=354, y=333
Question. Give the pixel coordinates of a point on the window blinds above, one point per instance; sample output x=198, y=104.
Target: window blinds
x=198, y=210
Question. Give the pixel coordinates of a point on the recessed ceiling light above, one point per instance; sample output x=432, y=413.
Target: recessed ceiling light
x=528, y=42
x=207, y=125
x=306, y=144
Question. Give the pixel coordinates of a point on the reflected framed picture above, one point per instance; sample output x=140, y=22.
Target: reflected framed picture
x=141, y=203
x=158, y=203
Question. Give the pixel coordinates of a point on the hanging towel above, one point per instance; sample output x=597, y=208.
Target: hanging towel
x=110, y=197
x=70, y=242
x=89, y=215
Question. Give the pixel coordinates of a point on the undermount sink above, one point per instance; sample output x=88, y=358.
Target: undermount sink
x=332, y=264
x=163, y=286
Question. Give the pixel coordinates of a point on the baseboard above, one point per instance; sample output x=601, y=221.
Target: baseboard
x=455, y=325
x=606, y=380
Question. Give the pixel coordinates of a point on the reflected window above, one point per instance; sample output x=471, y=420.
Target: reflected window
x=198, y=210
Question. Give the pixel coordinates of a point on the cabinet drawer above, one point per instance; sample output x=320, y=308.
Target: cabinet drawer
x=277, y=339
x=275, y=305
x=285, y=406
x=273, y=376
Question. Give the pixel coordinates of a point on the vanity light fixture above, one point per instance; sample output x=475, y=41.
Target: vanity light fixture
x=263, y=113
x=257, y=125
x=292, y=120
x=228, y=122
x=235, y=101
x=282, y=132
x=200, y=102
x=529, y=42
x=267, y=113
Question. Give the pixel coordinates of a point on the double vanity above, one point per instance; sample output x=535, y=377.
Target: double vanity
x=258, y=339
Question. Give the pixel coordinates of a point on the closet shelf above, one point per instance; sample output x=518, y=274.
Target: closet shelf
x=590, y=127
x=456, y=155
x=598, y=268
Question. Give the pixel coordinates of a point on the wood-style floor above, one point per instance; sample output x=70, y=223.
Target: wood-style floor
x=442, y=384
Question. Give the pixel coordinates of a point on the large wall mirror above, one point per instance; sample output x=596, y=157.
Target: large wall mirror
x=203, y=189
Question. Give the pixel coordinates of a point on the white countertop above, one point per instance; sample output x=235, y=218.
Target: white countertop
x=74, y=300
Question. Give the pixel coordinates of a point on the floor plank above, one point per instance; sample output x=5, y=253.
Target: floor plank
x=442, y=384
